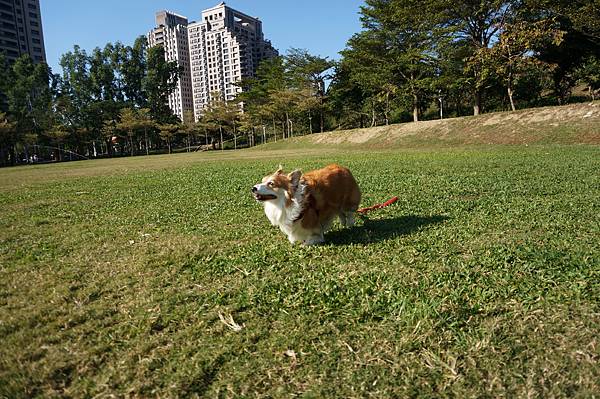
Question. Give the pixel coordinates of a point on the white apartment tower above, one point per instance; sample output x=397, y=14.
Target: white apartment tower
x=171, y=33
x=225, y=46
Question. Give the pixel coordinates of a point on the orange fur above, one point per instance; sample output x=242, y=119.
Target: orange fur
x=331, y=190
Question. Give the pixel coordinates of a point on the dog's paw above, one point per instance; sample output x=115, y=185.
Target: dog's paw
x=313, y=241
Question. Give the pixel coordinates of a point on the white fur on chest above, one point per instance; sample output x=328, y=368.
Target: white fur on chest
x=286, y=218
x=275, y=212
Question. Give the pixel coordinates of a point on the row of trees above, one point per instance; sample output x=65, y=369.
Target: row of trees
x=115, y=100
x=415, y=59
x=412, y=60
x=414, y=56
x=97, y=105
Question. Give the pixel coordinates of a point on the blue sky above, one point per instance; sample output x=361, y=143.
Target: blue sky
x=322, y=27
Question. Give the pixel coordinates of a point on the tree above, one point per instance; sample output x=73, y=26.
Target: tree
x=307, y=102
x=365, y=61
x=160, y=81
x=79, y=104
x=133, y=68
x=310, y=71
x=108, y=131
x=588, y=74
x=7, y=139
x=346, y=97
x=57, y=135
x=190, y=128
x=102, y=75
x=282, y=103
x=411, y=38
x=579, y=21
x=167, y=132
x=145, y=122
x=475, y=23
x=129, y=123
x=512, y=56
x=4, y=79
x=29, y=99
x=271, y=76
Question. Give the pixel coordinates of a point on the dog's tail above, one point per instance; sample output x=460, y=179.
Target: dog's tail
x=377, y=206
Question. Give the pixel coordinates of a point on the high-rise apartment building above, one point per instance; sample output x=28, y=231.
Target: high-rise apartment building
x=171, y=32
x=21, y=30
x=215, y=53
x=225, y=46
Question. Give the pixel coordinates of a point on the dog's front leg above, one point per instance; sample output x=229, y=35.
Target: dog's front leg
x=293, y=238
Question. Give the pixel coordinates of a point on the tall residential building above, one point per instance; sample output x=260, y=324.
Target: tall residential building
x=225, y=46
x=21, y=30
x=171, y=32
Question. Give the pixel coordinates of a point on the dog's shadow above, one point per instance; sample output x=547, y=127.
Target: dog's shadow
x=381, y=229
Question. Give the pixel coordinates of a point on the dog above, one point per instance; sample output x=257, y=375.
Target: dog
x=304, y=206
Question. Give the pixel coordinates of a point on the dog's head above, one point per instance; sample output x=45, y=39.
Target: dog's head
x=276, y=186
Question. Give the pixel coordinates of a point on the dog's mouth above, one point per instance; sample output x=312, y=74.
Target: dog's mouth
x=264, y=197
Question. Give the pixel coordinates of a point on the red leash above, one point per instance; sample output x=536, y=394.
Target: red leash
x=378, y=206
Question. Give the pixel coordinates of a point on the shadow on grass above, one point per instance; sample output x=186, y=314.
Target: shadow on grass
x=381, y=229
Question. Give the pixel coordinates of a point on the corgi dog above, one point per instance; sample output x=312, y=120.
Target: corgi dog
x=305, y=205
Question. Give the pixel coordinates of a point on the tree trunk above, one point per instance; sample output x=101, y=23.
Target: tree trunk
x=415, y=108
x=109, y=148
x=387, y=108
x=322, y=116
x=234, y=137
x=4, y=156
x=221, y=134
x=264, y=134
x=12, y=153
x=510, y=97
x=146, y=140
x=287, y=124
x=310, y=128
x=274, y=130
x=372, y=113
x=477, y=104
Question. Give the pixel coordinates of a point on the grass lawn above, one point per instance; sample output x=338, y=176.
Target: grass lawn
x=161, y=277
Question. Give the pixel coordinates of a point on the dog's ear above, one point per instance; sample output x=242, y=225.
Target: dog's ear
x=280, y=170
x=295, y=177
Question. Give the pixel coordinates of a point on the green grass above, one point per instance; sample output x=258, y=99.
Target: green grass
x=482, y=281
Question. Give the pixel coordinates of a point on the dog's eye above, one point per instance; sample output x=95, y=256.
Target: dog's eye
x=270, y=184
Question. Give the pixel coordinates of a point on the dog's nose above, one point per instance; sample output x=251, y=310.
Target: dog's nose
x=254, y=189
